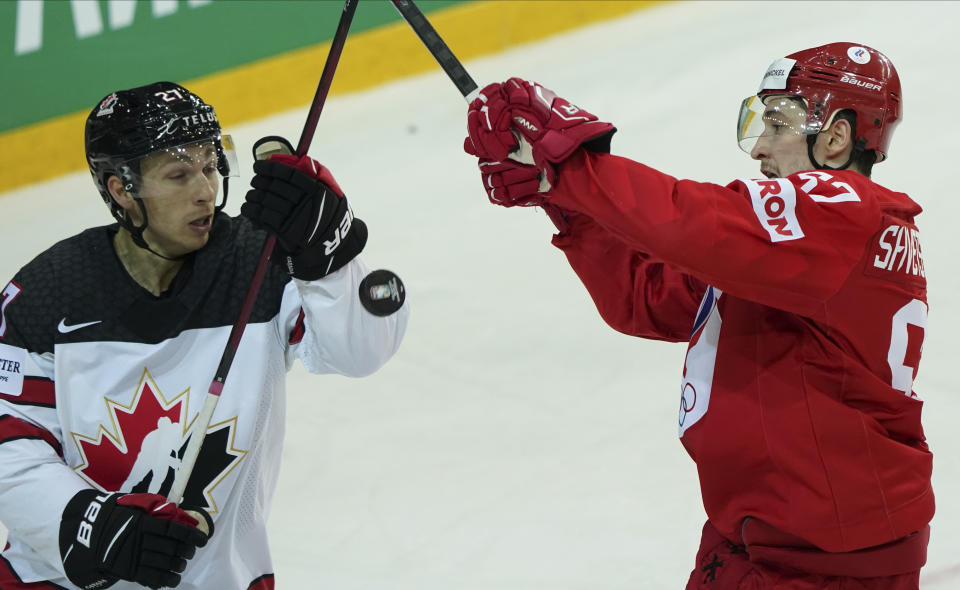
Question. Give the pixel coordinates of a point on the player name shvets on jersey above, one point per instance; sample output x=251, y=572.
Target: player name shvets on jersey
x=801, y=295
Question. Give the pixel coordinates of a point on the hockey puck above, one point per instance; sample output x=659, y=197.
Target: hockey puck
x=382, y=292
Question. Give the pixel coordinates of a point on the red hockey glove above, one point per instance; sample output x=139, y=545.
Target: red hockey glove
x=141, y=538
x=510, y=183
x=297, y=199
x=526, y=122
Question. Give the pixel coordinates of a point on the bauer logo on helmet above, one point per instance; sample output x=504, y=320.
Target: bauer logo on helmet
x=860, y=83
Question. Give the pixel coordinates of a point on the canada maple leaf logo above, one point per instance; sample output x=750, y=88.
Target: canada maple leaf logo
x=141, y=449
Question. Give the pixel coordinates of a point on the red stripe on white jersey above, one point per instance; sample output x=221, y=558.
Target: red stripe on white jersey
x=37, y=391
x=264, y=582
x=12, y=428
x=9, y=580
x=296, y=335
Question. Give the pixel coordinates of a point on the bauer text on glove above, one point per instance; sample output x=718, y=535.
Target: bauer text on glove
x=142, y=538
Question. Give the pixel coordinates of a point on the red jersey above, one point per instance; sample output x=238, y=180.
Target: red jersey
x=803, y=300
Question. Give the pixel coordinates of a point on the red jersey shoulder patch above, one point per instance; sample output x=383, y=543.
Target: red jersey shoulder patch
x=775, y=205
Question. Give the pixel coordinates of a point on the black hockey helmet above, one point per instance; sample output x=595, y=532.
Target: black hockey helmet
x=128, y=125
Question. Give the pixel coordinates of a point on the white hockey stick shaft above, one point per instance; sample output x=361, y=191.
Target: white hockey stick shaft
x=197, y=433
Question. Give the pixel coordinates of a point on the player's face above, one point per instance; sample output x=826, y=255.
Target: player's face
x=179, y=191
x=782, y=147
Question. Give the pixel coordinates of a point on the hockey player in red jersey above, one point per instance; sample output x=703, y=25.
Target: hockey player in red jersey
x=802, y=296
x=109, y=339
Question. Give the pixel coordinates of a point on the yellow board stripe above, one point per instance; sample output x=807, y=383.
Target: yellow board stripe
x=253, y=91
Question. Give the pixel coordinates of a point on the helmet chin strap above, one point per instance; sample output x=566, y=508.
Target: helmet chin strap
x=858, y=147
x=123, y=216
x=226, y=190
x=136, y=231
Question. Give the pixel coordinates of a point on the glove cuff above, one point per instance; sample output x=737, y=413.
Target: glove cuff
x=557, y=145
x=558, y=216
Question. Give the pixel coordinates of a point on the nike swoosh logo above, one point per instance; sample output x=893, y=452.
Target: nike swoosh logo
x=63, y=328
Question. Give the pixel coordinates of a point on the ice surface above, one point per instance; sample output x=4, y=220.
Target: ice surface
x=515, y=442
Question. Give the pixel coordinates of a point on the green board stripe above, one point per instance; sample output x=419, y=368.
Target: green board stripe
x=65, y=57
x=372, y=56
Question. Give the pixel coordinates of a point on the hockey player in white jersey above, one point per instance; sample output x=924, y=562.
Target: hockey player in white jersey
x=109, y=339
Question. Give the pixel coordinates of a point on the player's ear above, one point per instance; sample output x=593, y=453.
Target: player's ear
x=122, y=197
x=839, y=138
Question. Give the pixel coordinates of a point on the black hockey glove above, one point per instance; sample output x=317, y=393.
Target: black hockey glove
x=297, y=199
x=141, y=538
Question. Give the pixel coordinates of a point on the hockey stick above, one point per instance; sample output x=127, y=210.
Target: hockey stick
x=202, y=422
x=436, y=46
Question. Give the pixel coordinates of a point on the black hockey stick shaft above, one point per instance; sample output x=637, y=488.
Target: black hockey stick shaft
x=236, y=333
x=326, y=78
x=438, y=48
x=303, y=146
x=306, y=137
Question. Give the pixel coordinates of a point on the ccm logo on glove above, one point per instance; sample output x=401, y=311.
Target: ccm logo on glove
x=521, y=131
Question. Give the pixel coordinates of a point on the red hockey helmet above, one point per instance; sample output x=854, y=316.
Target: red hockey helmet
x=839, y=76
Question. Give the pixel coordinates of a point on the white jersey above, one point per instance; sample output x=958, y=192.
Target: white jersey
x=100, y=382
